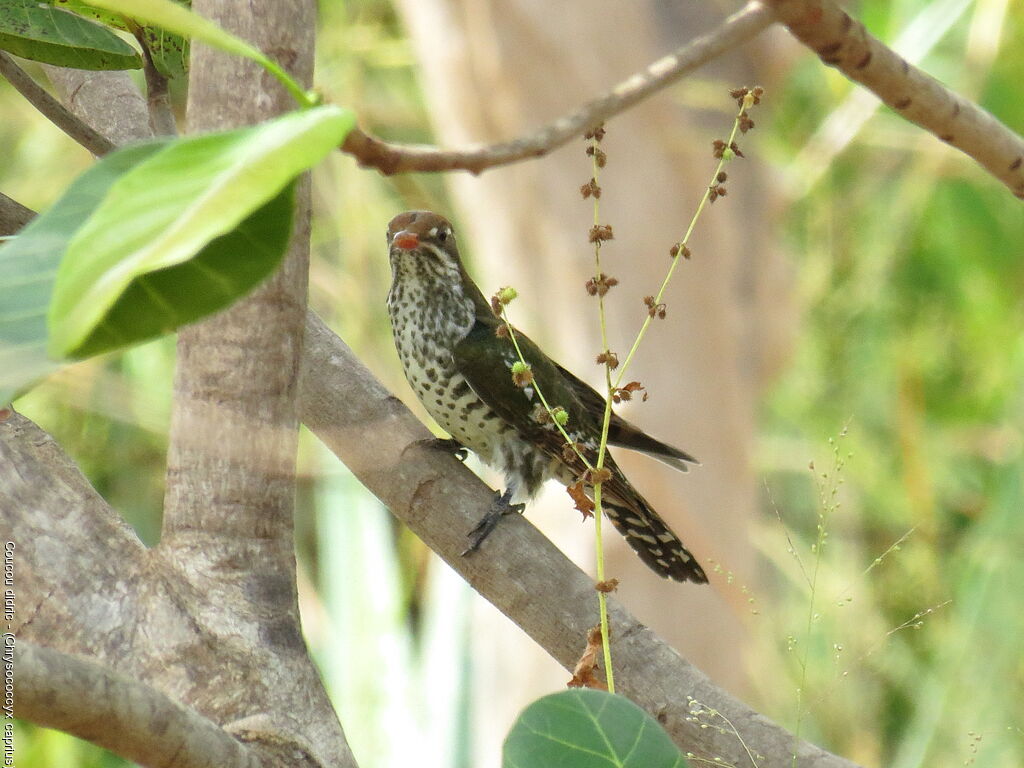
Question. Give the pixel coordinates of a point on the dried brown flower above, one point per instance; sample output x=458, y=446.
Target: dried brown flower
x=590, y=188
x=569, y=453
x=595, y=476
x=540, y=414
x=598, y=154
x=626, y=393
x=583, y=674
x=522, y=376
x=600, y=285
x=582, y=502
x=654, y=309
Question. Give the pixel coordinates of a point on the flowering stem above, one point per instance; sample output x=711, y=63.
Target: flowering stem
x=602, y=600
x=681, y=245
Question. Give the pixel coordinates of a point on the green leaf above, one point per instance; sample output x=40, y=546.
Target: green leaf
x=164, y=212
x=172, y=17
x=40, y=32
x=28, y=265
x=226, y=269
x=169, y=51
x=582, y=727
x=115, y=20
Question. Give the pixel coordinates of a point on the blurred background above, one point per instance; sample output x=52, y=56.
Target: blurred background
x=844, y=353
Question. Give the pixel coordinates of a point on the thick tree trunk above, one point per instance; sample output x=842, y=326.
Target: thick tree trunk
x=234, y=428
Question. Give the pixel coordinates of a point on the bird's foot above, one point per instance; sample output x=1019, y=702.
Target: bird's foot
x=500, y=507
x=448, y=445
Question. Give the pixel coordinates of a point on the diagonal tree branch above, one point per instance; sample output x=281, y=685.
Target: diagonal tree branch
x=107, y=100
x=13, y=215
x=119, y=713
x=52, y=109
x=48, y=507
x=401, y=158
x=518, y=570
x=844, y=43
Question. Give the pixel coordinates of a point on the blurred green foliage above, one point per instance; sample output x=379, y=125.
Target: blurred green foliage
x=910, y=279
x=908, y=274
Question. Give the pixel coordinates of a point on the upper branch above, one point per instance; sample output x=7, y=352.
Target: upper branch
x=401, y=158
x=844, y=43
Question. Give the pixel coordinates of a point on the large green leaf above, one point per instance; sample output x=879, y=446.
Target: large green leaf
x=173, y=17
x=107, y=18
x=40, y=32
x=169, y=50
x=228, y=267
x=580, y=728
x=28, y=265
x=164, y=212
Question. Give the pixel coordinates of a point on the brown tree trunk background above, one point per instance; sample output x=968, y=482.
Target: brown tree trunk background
x=491, y=70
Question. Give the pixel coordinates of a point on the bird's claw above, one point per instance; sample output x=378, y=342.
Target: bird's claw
x=448, y=445
x=500, y=507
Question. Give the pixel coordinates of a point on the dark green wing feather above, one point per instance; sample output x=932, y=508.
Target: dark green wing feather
x=486, y=361
x=624, y=434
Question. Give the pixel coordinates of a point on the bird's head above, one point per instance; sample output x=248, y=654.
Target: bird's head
x=423, y=243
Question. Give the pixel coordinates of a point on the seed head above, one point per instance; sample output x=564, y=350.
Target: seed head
x=522, y=375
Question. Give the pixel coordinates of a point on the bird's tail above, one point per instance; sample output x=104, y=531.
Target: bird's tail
x=648, y=534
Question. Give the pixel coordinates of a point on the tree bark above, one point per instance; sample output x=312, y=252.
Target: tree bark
x=229, y=504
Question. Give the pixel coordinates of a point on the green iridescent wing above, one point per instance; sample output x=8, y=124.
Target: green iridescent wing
x=486, y=361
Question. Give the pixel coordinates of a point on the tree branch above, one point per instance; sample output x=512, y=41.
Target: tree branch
x=158, y=95
x=76, y=598
x=844, y=43
x=108, y=100
x=439, y=500
x=402, y=158
x=13, y=215
x=119, y=713
x=52, y=109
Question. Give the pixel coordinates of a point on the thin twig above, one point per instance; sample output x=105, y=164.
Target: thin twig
x=52, y=109
x=842, y=42
x=400, y=158
x=158, y=98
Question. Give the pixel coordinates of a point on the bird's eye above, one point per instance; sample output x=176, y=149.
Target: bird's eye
x=442, y=236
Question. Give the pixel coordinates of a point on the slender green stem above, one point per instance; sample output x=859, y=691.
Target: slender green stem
x=602, y=599
x=679, y=253
x=828, y=487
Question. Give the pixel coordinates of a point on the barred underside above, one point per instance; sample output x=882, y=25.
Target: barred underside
x=652, y=540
